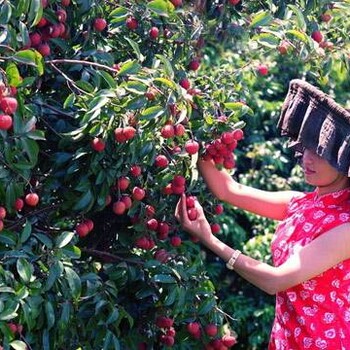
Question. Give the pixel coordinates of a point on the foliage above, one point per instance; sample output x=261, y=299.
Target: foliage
x=120, y=86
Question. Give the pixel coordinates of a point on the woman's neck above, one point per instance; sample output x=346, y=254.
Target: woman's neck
x=341, y=183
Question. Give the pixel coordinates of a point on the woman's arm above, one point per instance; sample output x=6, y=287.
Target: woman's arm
x=318, y=256
x=272, y=205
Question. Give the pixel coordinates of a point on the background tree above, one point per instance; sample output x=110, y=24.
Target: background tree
x=105, y=108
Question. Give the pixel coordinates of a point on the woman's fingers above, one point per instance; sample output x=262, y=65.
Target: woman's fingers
x=180, y=211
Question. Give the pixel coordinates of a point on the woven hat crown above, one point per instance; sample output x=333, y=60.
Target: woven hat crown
x=313, y=120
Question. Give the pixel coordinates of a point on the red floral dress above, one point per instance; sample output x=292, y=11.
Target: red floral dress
x=314, y=314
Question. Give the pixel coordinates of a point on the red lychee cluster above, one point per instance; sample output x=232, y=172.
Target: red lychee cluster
x=45, y=30
x=145, y=242
x=176, y=186
x=211, y=330
x=122, y=135
x=221, y=149
x=170, y=130
x=167, y=335
x=84, y=227
x=160, y=227
x=318, y=36
x=8, y=107
x=125, y=200
x=126, y=194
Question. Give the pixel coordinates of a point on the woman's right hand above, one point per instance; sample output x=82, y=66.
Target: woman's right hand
x=198, y=228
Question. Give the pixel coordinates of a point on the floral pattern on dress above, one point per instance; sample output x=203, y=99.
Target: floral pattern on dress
x=316, y=313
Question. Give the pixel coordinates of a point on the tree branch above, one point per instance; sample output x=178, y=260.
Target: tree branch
x=86, y=63
x=101, y=254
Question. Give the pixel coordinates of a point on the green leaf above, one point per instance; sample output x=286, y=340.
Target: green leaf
x=119, y=12
x=12, y=74
x=98, y=102
x=108, y=79
x=207, y=306
x=136, y=48
x=56, y=270
x=136, y=87
x=167, y=65
x=298, y=34
x=24, y=33
x=46, y=339
x=50, y=314
x=25, y=270
x=69, y=101
x=137, y=102
x=161, y=7
x=267, y=39
x=35, y=12
x=73, y=281
x=233, y=106
x=63, y=239
x=5, y=12
x=31, y=58
x=171, y=297
x=65, y=314
x=300, y=17
x=85, y=86
x=166, y=82
x=18, y=345
x=9, y=238
x=262, y=18
x=44, y=239
x=27, y=82
x=161, y=278
x=28, y=125
x=84, y=202
x=9, y=310
x=31, y=148
x=118, y=16
x=113, y=317
x=129, y=67
x=27, y=230
x=152, y=112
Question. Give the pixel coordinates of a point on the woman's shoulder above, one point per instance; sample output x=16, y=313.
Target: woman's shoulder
x=299, y=198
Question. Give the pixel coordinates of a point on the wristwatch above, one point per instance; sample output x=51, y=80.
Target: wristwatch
x=230, y=264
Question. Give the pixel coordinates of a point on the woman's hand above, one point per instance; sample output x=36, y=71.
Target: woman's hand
x=198, y=228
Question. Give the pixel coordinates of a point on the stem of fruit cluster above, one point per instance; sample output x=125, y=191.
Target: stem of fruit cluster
x=227, y=316
x=109, y=255
x=58, y=111
x=69, y=80
x=86, y=63
x=20, y=222
x=2, y=160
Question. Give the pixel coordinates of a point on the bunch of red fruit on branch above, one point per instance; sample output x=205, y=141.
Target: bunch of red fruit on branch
x=195, y=329
x=46, y=30
x=220, y=150
x=8, y=107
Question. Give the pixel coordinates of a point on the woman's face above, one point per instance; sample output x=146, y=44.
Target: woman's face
x=318, y=172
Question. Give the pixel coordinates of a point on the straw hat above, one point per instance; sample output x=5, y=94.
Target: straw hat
x=313, y=120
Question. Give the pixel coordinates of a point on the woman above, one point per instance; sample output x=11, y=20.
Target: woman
x=311, y=246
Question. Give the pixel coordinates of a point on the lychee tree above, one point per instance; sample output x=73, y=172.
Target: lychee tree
x=105, y=108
